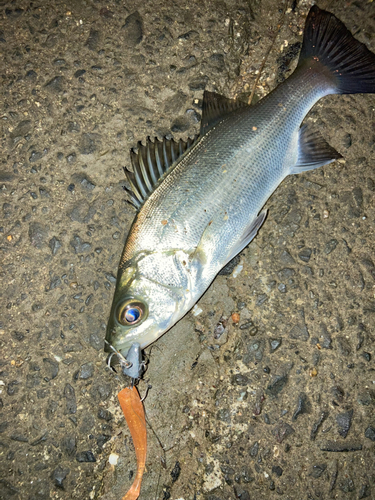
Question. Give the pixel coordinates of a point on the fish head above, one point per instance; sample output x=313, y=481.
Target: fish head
x=152, y=294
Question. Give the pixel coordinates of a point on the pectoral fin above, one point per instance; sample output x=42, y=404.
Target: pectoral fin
x=247, y=236
x=208, y=243
x=313, y=151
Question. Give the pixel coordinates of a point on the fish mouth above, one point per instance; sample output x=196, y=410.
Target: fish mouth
x=121, y=338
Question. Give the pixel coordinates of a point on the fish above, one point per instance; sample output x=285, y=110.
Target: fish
x=134, y=413
x=200, y=201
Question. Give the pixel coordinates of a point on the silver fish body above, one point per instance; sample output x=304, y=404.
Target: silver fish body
x=206, y=209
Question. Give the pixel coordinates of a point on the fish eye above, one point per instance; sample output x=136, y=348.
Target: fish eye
x=131, y=313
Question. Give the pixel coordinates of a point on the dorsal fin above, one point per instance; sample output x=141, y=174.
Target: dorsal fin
x=215, y=107
x=150, y=164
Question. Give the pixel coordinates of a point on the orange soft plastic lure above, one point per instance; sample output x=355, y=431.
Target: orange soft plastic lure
x=134, y=413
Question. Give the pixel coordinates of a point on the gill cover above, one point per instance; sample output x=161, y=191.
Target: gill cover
x=151, y=294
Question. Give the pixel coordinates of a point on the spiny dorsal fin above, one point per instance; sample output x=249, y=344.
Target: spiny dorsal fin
x=215, y=107
x=150, y=164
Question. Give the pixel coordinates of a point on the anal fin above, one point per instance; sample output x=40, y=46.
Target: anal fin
x=313, y=151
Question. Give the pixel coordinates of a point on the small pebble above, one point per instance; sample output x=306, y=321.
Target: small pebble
x=235, y=317
x=246, y=325
x=85, y=372
x=58, y=476
x=85, y=456
x=317, y=425
x=196, y=310
x=275, y=344
x=175, y=474
x=113, y=458
x=303, y=406
x=344, y=421
x=276, y=469
x=282, y=430
x=237, y=270
x=370, y=433
x=132, y=30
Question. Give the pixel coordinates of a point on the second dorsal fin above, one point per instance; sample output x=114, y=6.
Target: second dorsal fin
x=215, y=107
x=150, y=164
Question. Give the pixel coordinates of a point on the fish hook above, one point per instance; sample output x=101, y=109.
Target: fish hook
x=149, y=386
x=124, y=363
x=132, y=365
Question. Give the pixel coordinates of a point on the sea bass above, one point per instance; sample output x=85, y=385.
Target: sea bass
x=199, y=202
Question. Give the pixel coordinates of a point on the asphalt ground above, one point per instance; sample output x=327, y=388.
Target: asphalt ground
x=269, y=391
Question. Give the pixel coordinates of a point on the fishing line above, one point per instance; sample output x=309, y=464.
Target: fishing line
x=281, y=22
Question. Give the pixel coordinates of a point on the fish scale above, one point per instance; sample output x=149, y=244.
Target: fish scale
x=253, y=171
x=206, y=207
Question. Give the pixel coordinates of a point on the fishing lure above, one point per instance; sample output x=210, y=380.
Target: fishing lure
x=132, y=407
x=133, y=366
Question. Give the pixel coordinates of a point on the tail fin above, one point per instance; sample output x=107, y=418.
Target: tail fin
x=326, y=40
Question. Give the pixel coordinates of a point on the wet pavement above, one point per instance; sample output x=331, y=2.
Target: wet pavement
x=267, y=390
